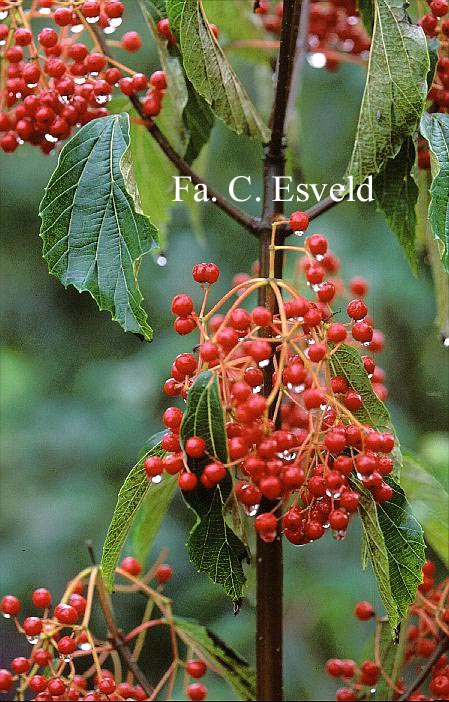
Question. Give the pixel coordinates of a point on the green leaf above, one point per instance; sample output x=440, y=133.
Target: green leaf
x=395, y=544
x=193, y=118
x=435, y=128
x=230, y=665
x=429, y=501
x=391, y=654
x=395, y=89
x=130, y=499
x=249, y=26
x=366, y=9
x=213, y=546
x=93, y=230
x=150, y=516
x=432, y=47
x=397, y=194
x=210, y=72
x=346, y=361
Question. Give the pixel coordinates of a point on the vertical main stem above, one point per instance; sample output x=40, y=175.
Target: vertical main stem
x=269, y=565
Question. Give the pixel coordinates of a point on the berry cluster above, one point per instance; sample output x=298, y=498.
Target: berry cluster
x=62, y=641
x=335, y=30
x=59, y=78
x=427, y=625
x=294, y=438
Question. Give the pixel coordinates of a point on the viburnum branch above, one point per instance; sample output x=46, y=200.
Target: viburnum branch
x=249, y=223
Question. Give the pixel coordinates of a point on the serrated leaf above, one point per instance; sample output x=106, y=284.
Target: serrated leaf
x=231, y=666
x=93, y=230
x=395, y=89
x=391, y=654
x=435, y=128
x=213, y=546
x=130, y=499
x=193, y=118
x=429, y=501
x=395, y=544
x=346, y=361
x=397, y=194
x=210, y=72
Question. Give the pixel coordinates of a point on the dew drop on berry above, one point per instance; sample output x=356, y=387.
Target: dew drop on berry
x=161, y=260
x=77, y=28
x=32, y=639
x=85, y=646
x=114, y=23
x=92, y=20
x=251, y=510
x=156, y=479
x=6, y=616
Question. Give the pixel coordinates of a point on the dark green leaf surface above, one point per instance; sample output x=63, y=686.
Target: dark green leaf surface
x=151, y=514
x=435, y=128
x=93, y=230
x=394, y=541
x=210, y=72
x=366, y=9
x=213, y=547
x=234, y=669
x=397, y=194
x=130, y=499
x=429, y=501
x=395, y=89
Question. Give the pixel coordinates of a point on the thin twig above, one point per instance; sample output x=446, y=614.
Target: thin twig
x=251, y=224
x=115, y=637
x=425, y=671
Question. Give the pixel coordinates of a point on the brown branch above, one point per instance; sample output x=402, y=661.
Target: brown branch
x=249, y=223
x=269, y=566
x=115, y=637
x=426, y=670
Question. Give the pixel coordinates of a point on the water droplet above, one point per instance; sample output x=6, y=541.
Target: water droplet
x=31, y=85
x=317, y=59
x=32, y=639
x=298, y=233
x=333, y=493
x=258, y=388
x=85, y=646
x=446, y=342
x=80, y=80
x=264, y=364
x=251, y=510
x=102, y=99
x=298, y=389
x=43, y=11
x=156, y=479
x=6, y=616
x=115, y=22
x=51, y=138
x=352, y=20
x=65, y=657
x=92, y=20
x=76, y=28
x=3, y=42
x=339, y=535
x=323, y=407
x=319, y=257
x=161, y=260
x=109, y=30
x=348, y=44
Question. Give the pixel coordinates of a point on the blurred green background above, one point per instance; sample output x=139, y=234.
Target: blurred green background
x=79, y=397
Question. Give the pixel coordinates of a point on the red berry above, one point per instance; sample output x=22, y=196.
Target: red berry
x=184, y=325
x=23, y=36
x=32, y=626
x=195, y=447
x=336, y=332
x=90, y=8
x=47, y=37
x=42, y=657
x=38, y=683
x=439, y=8
x=317, y=244
x=56, y=687
x=5, y=680
x=299, y=221
x=153, y=466
x=172, y=417
x=182, y=305
x=353, y=400
x=196, y=668
x=20, y=665
x=131, y=565
x=345, y=694
x=63, y=16
x=266, y=522
x=364, y=611
x=158, y=80
x=208, y=352
x=362, y=331
x=334, y=667
x=197, y=691
x=107, y=685
x=357, y=309
x=187, y=481
x=114, y=9
x=358, y=286
x=66, y=614
x=66, y=645
x=131, y=41
x=215, y=472
x=163, y=573
x=78, y=602
x=10, y=605
x=185, y=363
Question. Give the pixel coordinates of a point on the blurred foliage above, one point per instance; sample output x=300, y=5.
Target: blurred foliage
x=79, y=397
